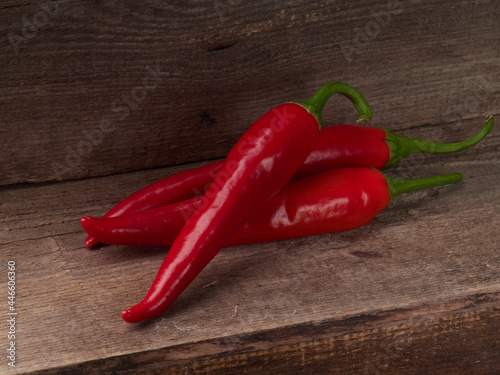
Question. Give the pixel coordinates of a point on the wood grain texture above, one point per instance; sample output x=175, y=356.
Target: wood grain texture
x=154, y=87
x=98, y=88
x=427, y=268
x=456, y=338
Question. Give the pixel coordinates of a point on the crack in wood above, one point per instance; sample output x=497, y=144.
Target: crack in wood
x=221, y=47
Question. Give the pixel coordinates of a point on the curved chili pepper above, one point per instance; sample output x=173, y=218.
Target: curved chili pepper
x=257, y=167
x=333, y=201
x=338, y=146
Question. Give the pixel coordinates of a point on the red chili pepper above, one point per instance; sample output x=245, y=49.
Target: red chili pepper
x=257, y=167
x=333, y=201
x=338, y=146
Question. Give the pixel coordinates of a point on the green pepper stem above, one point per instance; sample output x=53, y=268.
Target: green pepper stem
x=402, y=147
x=315, y=104
x=397, y=186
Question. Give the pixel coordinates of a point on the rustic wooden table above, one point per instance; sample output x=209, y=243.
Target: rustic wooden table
x=102, y=98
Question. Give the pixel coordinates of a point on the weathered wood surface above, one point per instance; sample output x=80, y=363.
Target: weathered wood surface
x=416, y=291
x=97, y=88
x=436, y=343
x=421, y=282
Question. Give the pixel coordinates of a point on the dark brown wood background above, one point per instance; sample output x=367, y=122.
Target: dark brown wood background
x=211, y=68
x=99, y=98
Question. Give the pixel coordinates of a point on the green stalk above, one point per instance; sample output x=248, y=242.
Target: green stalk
x=397, y=187
x=402, y=147
x=315, y=104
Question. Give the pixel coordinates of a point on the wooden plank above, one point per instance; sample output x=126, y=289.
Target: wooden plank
x=96, y=89
x=429, y=255
x=461, y=336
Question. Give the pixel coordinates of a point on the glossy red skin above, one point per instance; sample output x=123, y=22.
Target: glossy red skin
x=333, y=201
x=258, y=166
x=159, y=226
x=175, y=188
x=347, y=146
x=338, y=146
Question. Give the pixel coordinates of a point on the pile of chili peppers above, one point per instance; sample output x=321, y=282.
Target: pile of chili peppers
x=285, y=178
